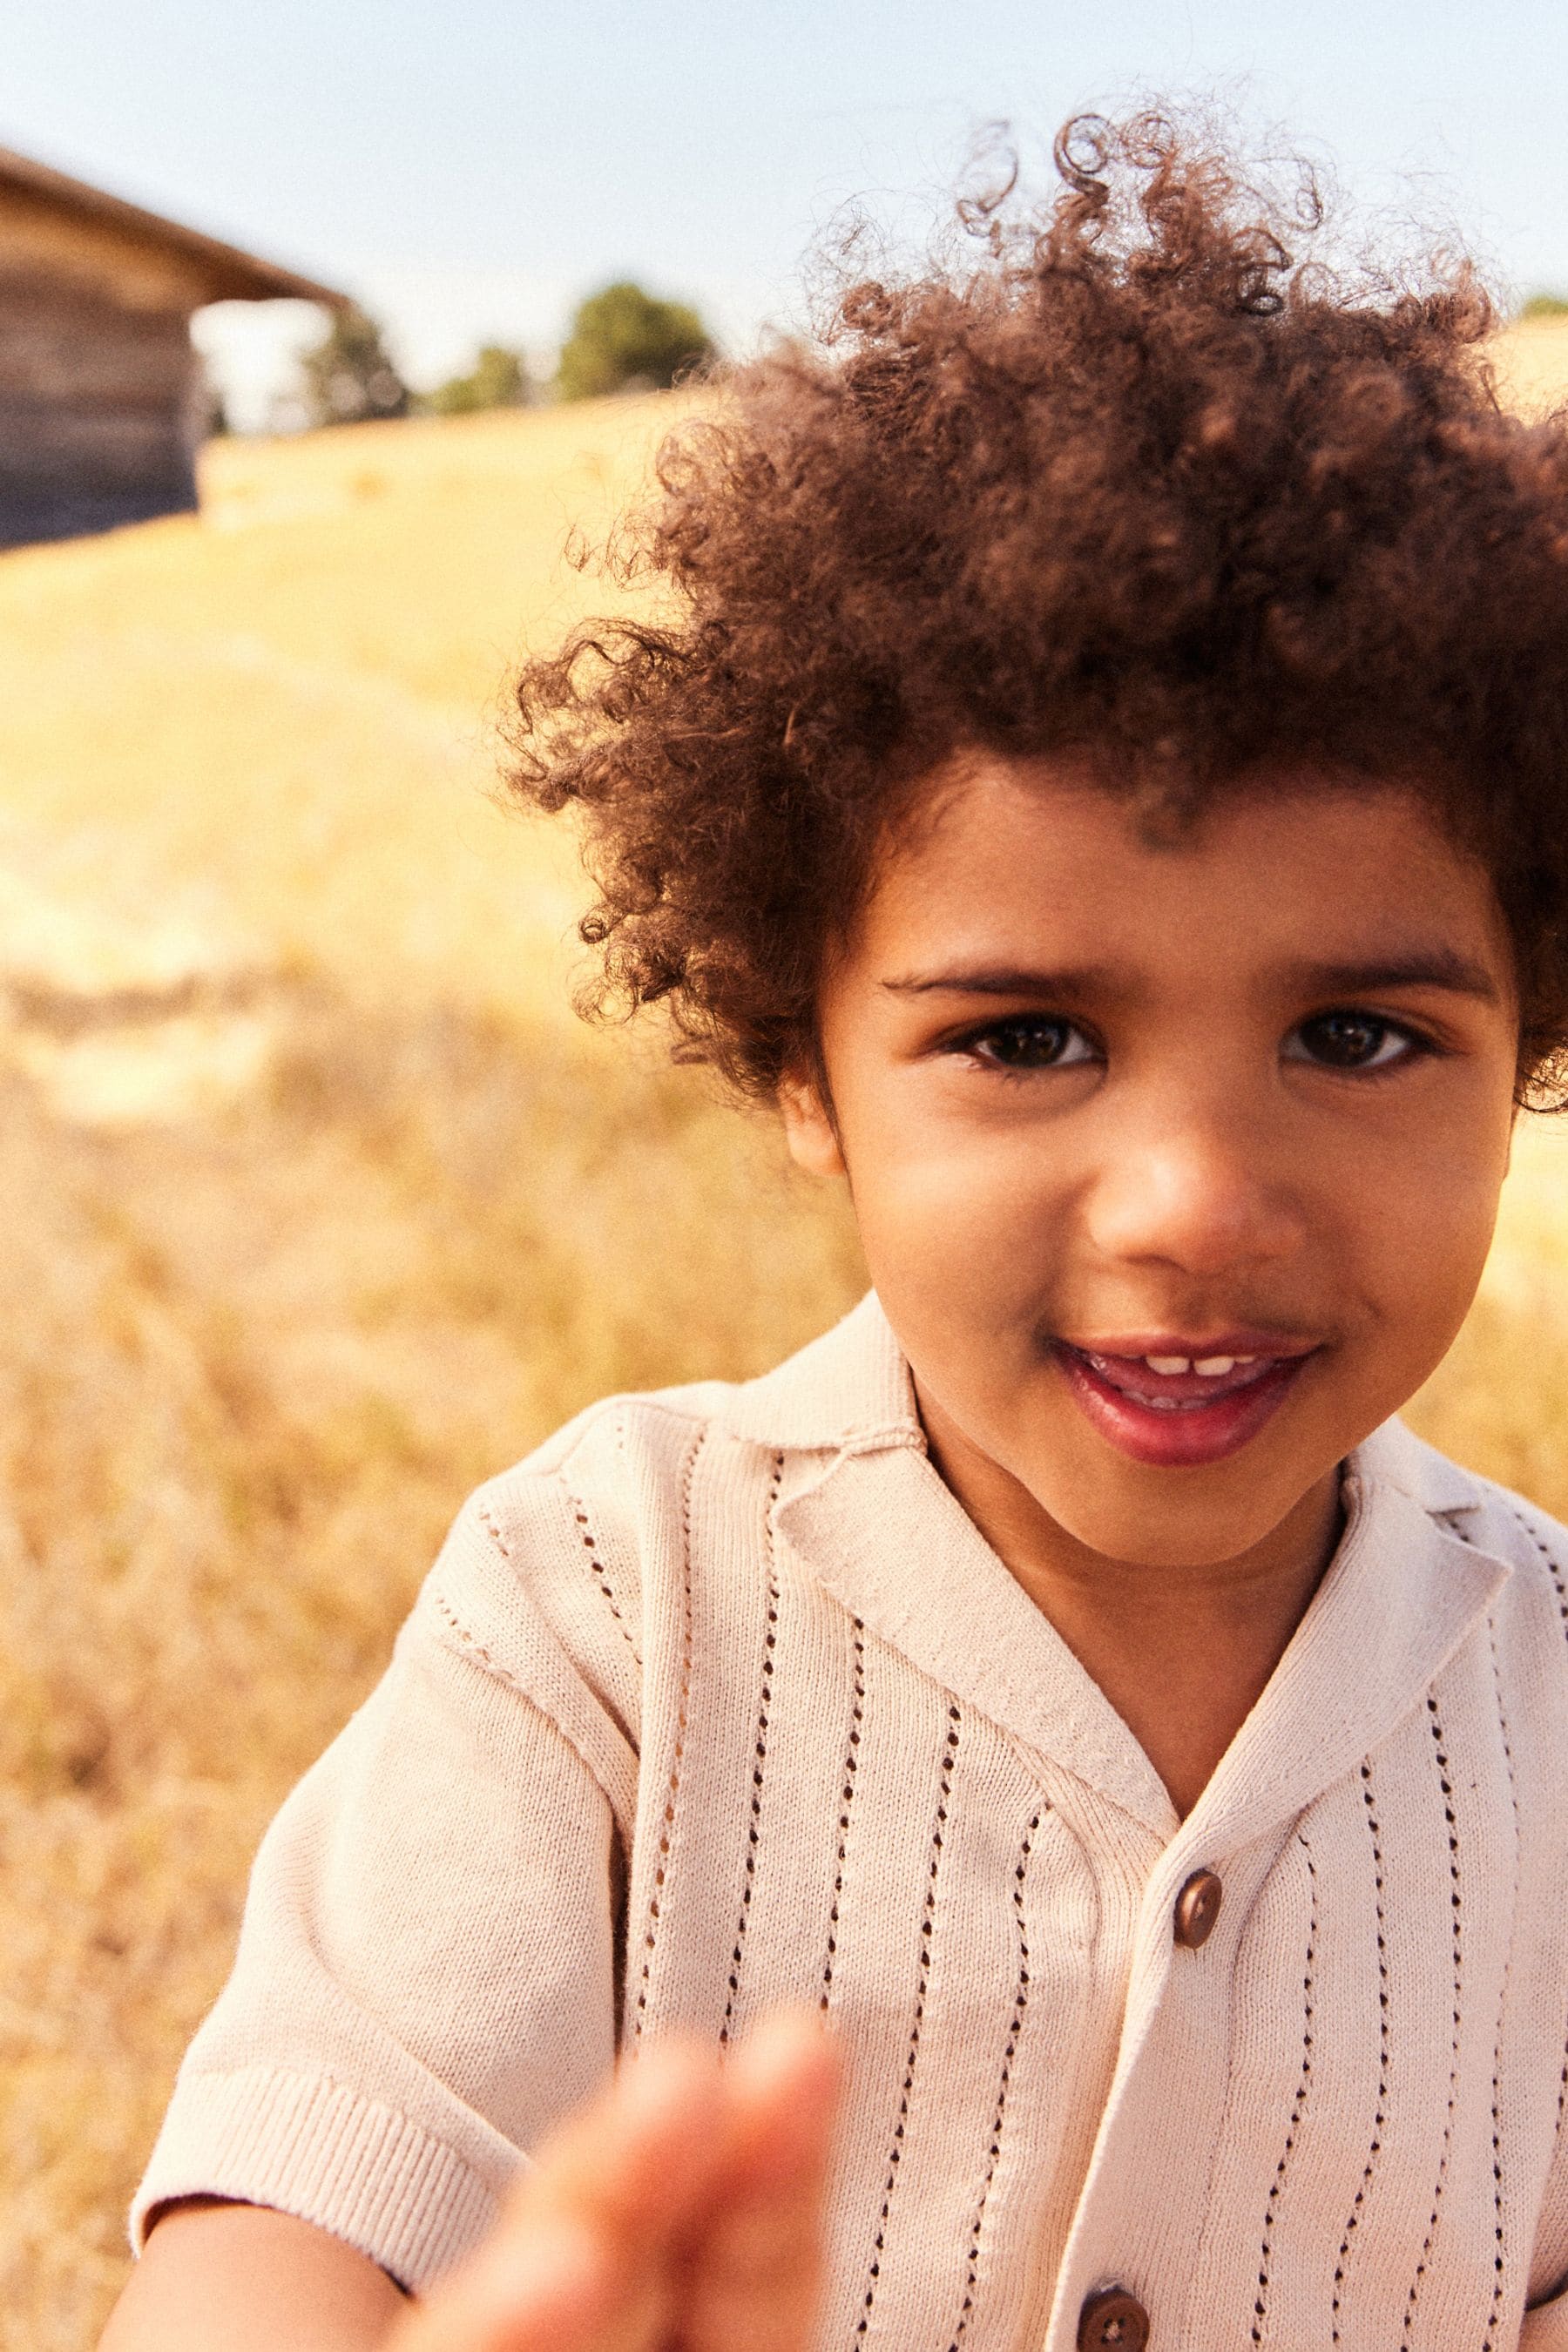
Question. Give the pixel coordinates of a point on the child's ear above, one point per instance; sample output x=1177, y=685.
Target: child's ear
x=809, y=1130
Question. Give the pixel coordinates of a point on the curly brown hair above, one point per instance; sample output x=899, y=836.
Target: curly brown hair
x=1145, y=481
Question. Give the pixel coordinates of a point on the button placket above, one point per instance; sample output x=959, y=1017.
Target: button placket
x=1180, y=1914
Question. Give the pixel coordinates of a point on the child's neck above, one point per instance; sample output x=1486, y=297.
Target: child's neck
x=1184, y=1654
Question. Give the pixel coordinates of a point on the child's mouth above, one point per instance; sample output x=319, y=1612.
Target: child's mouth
x=1176, y=1407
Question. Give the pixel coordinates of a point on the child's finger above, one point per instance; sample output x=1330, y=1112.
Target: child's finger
x=582, y=2259
x=638, y=2161
x=757, y=2274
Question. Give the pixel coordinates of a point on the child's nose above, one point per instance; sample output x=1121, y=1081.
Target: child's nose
x=1193, y=1187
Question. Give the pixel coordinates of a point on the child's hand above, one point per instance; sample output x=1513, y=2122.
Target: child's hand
x=680, y=2212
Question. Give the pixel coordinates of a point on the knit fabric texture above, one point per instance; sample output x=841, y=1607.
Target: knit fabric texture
x=720, y=1700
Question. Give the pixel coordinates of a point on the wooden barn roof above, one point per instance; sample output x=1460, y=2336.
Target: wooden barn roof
x=230, y=273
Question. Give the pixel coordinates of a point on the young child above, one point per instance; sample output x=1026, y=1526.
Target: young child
x=1100, y=766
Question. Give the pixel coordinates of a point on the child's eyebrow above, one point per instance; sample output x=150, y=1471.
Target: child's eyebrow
x=1434, y=967
x=990, y=979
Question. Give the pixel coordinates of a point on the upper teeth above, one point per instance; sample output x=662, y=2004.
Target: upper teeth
x=1213, y=1368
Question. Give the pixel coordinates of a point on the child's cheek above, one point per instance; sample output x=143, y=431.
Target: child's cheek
x=1422, y=1240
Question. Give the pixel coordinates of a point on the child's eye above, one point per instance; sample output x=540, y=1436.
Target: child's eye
x=1353, y=1041
x=1033, y=1041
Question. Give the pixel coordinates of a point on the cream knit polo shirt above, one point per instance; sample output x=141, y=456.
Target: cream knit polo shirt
x=720, y=1700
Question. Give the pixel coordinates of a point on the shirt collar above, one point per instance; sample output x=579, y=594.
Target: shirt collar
x=849, y=1387
x=876, y=1525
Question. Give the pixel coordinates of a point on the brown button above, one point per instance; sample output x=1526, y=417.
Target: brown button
x=1112, y=2317
x=1197, y=1908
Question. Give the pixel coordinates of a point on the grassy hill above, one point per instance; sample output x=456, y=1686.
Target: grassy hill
x=320, y=1205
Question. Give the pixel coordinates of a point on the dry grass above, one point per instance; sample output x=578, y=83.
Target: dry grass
x=319, y=1207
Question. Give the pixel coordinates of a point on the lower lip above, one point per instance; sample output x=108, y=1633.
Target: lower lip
x=1185, y=1438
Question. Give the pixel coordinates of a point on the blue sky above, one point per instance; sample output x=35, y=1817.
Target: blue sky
x=470, y=168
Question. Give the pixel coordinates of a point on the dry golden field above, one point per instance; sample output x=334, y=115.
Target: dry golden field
x=320, y=1206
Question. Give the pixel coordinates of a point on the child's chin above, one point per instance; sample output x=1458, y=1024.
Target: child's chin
x=1179, y=1520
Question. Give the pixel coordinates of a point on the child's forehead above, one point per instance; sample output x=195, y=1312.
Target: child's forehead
x=1043, y=847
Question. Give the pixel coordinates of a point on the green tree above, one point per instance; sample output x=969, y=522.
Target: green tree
x=623, y=338
x=349, y=375
x=1545, y=306
x=498, y=379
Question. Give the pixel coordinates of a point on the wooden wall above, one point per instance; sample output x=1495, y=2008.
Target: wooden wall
x=100, y=389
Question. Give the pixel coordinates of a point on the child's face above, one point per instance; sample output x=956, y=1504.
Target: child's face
x=1248, y=1094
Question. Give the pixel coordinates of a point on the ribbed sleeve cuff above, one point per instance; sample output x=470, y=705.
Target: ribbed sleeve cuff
x=327, y=2155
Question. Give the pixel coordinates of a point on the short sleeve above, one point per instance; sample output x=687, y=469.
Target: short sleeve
x=425, y=1976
